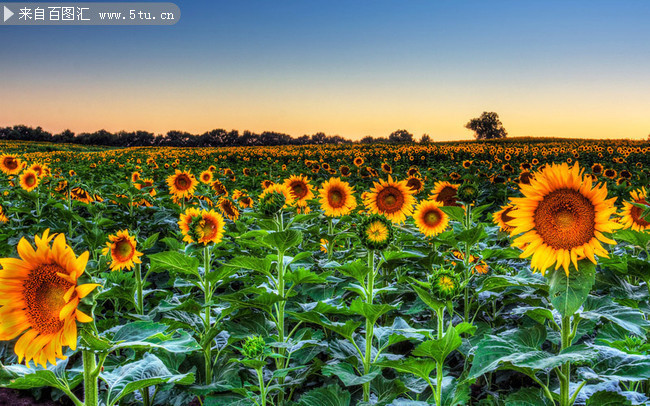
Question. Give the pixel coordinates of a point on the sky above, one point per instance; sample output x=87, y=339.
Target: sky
x=353, y=68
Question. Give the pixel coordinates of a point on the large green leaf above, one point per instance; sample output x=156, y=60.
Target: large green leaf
x=524, y=279
x=606, y=398
x=282, y=240
x=439, y=349
x=527, y=397
x=174, y=262
x=262, y=265
x=371, y=312
x=568, y=293
x=630, y=319
x=346, y=373
x=20, y=377
x=344, y=329
x=331, y=395
x=618, y=365
x=150, y=335
x=420, y=367
x=149, y=371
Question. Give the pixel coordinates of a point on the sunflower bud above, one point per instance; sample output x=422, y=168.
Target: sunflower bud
x=445, y=284
x=271, y=203
x=254, y=347
x=468, y=192
x=376, y=232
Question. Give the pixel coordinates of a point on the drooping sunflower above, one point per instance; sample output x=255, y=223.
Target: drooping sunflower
x=415, y=183
x=81, y=195
x=376, y=232
x=206, y=177
x=182, y=184
x=3, y=217
x=219, y=188
x=29, y=180
x=632, y=216
x=390, y=198
x=39, y=298
x=430, y=219
x=121, y=248
x=201, y=226
x=502, y=217
x=275, y=198
x=300, y=188
x=10, y=165
x=228, y=208
x=562, y=218
x=245, y=201
x=336, y=197
x=445, y=193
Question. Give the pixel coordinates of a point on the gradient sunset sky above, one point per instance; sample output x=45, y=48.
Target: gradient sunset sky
x=352, y=68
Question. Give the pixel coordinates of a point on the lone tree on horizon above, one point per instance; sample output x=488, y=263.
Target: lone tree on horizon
x=487, y=127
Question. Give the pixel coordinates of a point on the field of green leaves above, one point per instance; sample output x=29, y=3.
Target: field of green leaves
x=495, y=273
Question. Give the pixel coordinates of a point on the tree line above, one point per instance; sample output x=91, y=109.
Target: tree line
x=487, y=126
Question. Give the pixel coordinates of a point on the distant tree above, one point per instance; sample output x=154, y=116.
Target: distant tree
x=400, y=137
x=367, y=140
x=425, y=139
x=487, y=127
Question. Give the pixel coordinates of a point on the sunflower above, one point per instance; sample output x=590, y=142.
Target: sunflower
x=391, y=198
x=245, y=201
x=267, y=183
x=3, y=217
x=632, y=216
x=201, y=226
x=81, y=195
x=336, y=197
x=29, y=180
x=445, y=193
x=121, y=247
x=275, y=198
x=182, y=184
x=386, y=168
x=228, y=208
x=146, y=183
x=502, y=217
x=525, y=177
x=445, y=284
x=345, y=171
x=10, y=165
x=562, y=218
x=206, y=177
x=135, y=176
x=430, y=219
x=39, y=296
x=376, y=232
x=415, y=183
x=300, y=188
x=358, y=161
x=610, y=173
x=219, y=188
x=467, y=164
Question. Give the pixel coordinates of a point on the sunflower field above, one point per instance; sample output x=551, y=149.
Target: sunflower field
x=512, y=273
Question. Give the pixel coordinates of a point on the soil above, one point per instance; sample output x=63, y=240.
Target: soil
x=12, y=397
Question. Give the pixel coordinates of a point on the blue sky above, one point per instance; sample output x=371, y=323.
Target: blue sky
x=354, y=68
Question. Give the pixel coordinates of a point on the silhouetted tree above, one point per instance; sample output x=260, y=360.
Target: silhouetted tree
x=400, y=137
x=425, y=139
x=487, y=127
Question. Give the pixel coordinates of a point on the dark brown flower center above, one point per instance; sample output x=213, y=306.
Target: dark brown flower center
x=43, y=292
x=565, y=219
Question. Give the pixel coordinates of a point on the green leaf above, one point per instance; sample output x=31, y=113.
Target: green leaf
x=636, y=238
x=527, y=397
x=454, y=212
x=420, y=367
x=262, y=265
x=149, y=371
x=371, y=312
x=618, y=365
x=357, y=270
x=630, y=319
x=397, y=255
x=606, y=398
x=20, y=377
x=331, y=395
x=509, y=348
x=428, y=298
x=567, y=294
x=174, y=262
x=345, y=372
x=439, y=349
x=302, y=275
x=282, y=240
x=473, y=235
x=524, y=279
x=344, y=329
x=150, y=335
x=149, y=242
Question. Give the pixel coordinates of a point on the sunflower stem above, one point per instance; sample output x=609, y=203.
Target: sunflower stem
x=207, y=350
x=440, y=313
x=367, y=363
x=91, y=373
x=280, y=361
x=565, y=376
x=139, y=305
x=466, y=273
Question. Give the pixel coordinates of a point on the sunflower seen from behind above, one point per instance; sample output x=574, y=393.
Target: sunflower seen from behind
x=392, y=199
x=336, y=197
x=562, y=218
x=122, y=248
x=39, y=298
